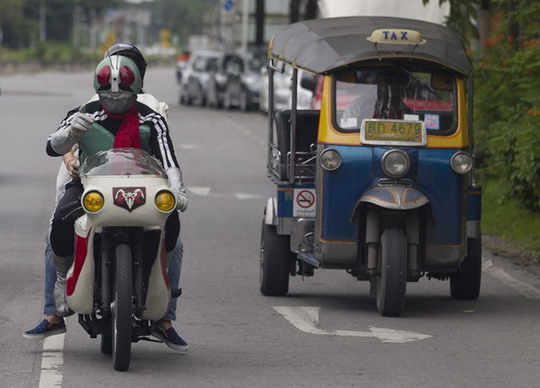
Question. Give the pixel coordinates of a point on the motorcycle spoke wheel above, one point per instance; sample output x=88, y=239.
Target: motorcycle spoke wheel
x=121, y=311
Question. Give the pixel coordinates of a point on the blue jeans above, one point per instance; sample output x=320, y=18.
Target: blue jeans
x=174, y=271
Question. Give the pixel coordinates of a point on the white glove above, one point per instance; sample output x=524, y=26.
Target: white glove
x=181, y=201
x=81, y=123
x=64, y=139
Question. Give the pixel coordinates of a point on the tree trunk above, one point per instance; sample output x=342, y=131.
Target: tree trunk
x=310, y=12
x=513, y=25
x=294, y=11
x=259, y=22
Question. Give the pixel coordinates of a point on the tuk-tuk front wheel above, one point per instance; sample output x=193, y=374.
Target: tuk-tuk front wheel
x=275, y=262
x=392, y=282
x=465, y=284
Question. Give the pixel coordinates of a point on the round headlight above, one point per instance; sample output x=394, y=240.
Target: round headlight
x=461, y=162
x=395, y=163
x=165, y=201
x=330, y=159
x=93, y=201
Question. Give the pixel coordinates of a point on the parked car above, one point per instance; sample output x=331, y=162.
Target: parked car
x=244, y=81
x=217, y=81
x=195, y=77
x=282, y=91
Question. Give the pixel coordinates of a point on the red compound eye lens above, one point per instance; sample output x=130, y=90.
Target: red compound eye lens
x=104, y=75
x=127, y=77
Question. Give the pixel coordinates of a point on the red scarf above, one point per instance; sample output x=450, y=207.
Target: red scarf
x=128, y=133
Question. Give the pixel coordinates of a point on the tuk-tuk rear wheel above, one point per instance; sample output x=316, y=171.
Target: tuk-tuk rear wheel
x=465, y=284
x=274, y=262
x=392, y=282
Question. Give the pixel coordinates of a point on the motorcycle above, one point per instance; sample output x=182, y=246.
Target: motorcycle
x=118, y=282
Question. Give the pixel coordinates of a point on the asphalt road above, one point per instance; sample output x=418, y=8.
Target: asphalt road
x=327, y=332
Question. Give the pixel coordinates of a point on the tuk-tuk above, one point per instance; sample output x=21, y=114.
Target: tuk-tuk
x=380, y=181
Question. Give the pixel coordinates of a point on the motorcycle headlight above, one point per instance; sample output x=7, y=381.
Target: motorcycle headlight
x=395, y=163
x=93, y=201
x=330, y=159
x=165, y=201
x=461, y=162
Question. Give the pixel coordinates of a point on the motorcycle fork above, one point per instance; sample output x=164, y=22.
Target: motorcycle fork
x=111, y=237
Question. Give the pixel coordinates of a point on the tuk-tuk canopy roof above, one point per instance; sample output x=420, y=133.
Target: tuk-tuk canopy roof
x=323, y=45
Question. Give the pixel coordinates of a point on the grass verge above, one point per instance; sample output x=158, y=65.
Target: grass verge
x=512, y=228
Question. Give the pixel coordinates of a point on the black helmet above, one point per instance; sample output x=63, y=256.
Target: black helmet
x=130, y=51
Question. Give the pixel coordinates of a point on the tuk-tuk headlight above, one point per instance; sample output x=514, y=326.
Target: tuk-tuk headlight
x=395, y=163
x=165, y=201
x=93, y=201
x=461, y=162
x=330, y=159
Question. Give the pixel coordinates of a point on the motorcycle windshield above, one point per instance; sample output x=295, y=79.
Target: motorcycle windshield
x=121, y=161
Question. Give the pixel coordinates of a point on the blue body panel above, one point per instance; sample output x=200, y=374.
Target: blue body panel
x=430, y=174
x=474, y=204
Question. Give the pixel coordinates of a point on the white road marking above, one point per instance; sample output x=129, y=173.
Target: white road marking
x=247, y=196
x=306, y=319
x=199, y=190
x=190, y=146
x=523, y=288
x=206, y=191
x=51, y=361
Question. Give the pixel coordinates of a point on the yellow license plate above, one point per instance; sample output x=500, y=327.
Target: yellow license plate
x=393, y=132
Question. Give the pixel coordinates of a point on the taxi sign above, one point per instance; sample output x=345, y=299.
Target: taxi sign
x=393, y=132
x=396, y=36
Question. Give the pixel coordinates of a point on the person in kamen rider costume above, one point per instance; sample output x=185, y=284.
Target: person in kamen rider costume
x=118, y=80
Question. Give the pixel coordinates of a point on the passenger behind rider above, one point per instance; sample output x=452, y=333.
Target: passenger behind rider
x=119, y=112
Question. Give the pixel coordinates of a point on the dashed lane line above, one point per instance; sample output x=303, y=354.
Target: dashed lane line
x=52, y=360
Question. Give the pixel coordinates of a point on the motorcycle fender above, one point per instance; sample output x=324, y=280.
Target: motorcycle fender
x=80, y=277
x=391, y=197
x=159, y=289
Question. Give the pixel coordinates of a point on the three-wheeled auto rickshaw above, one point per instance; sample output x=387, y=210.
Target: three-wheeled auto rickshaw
x=379, y=182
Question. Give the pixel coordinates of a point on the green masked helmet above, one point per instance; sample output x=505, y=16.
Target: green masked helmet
x=117, y=81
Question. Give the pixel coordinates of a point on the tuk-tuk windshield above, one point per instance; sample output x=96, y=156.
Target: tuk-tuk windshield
x=395, y=93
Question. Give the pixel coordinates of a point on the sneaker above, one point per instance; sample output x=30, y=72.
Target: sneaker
x=45, y=329
x=171, y=338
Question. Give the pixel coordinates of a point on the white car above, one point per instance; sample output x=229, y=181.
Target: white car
x=282, y=91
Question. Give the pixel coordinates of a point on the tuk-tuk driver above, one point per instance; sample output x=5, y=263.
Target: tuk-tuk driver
x=391, y=87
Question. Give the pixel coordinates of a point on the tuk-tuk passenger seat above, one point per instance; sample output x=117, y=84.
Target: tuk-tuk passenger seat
x=306, y=134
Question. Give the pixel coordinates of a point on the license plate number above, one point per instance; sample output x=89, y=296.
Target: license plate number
x=393, y=132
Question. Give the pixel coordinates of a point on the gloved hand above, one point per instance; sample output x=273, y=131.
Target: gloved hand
x=64, y=139
x=181, y=201
x=81, y=123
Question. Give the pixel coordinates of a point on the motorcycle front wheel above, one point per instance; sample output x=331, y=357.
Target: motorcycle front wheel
x=121, y=311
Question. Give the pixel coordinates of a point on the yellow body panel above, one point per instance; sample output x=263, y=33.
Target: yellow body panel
x=329, y=135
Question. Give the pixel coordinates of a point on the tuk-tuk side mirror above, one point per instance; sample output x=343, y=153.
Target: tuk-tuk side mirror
x=308, y=81
x=441, y=81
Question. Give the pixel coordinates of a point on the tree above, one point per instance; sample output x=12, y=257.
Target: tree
x=463, y=14
x=17, y=29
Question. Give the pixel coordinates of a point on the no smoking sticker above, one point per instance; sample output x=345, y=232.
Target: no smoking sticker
x=304, y=203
